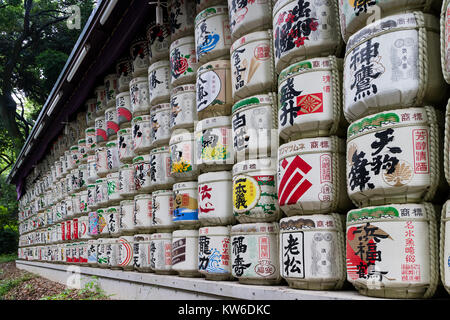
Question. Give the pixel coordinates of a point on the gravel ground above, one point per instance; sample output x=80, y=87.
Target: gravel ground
x=35, y=287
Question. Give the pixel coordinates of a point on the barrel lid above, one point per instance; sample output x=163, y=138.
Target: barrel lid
x=124, y=131
x=72, y=148
x=100, y=181
x=122, y=94
x=307, y=222
x=144, y=117
x=183, y=88
x=390, y=212
x=215, y=122
x=254, y=36
x=255, y=101
x=211, y=11
x=212, y=65
x=215, y=231
x=255, y=228
x=407, y=116
x=111, y=144
x=141, y=158
x=143, y=196
x=182, y=41
x=159, y=64
x=162, y=193
x=100, y=210
x=112, y=209
x=180, y=136
x=137, y=80
x=185, y=185
x=100, y=119
x=160, y=149
x=184, y=233
x=90, y=129
x=214, y=176
x=160, y=107
x=81, y=141
x=161, y=236
x=312, y=145
x=112, y=175
x=112, y=109
x=391, y=23
x=255, y=165
x=126, y=166
x=142, y=237
x=319, y=63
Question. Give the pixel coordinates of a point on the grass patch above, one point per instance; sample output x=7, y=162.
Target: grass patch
x=8, y=257
x=90, y=291
x=7, y=284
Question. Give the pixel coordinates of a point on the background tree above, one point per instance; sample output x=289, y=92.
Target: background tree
x=35, y=42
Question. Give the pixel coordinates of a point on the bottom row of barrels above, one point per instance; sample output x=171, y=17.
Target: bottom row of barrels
x=384, y=251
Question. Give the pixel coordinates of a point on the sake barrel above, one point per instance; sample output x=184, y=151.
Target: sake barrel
x=100, y=96
x=112, y=123
x=83, y=252
x=183, y=107
x=112, y=216
x=249, y=16
x=160, y=122
x=90, y=111
x=125, y=250
x=82, y=176
x=125, y=143
x=255, y=196
x=92, y=253
x=141, y=252
x=444, y=243
x=142, y=134
x=185, y=211
x=310, y=176
x=183, y=61
x=214, y=251
x=139, y=56
x=91, y=200
x=93, y=224
x=161, y=253
x=310, y=99
x=112, y=156
x=185, y=253
x=214, y=144
x=393, y=63
x=312, y=251
x=304, y=30
x=102, y=222
x=142, y=214
x=142, y=181
x=126, y=224
x=101, y=161
x=252, y=65
x=101, y=137
x=212, y=34
x=83, y=227
x=254, y=253
x=74, y=157
x=214, y=89
x=74, y=229
x=181, y=15
x=103, y=252
x=91, y=140
x=140, y=103
x=392, y=250
x=124, y=73
x=124, y=109
x=254, y=127
x=445, y=39
x=83, y=151
x=160, y=177
x=112, y=181
x=182, y=156
x=446, y=143
x=158, y=81
x=127, y=187
x=355, y=16
x=92, y=169
x=394, y=157
x=158, y=38
x=112, y=89
x=162, y=210
x=215, y=198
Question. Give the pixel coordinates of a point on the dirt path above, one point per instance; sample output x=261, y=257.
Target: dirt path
x=27, y=286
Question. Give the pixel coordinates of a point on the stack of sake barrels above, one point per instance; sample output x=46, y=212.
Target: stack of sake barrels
x=393, y=98
x=311, y=157
x=444, y=244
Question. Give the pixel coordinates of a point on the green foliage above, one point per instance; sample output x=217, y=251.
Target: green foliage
x=7, y=284
x=90, y=291
x=7, y=258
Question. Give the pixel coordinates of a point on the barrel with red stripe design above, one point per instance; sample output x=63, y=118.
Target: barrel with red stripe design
x=309, y=181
